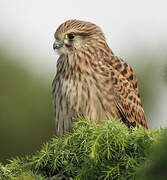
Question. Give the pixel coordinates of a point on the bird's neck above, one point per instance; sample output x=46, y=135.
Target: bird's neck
x=84, y=61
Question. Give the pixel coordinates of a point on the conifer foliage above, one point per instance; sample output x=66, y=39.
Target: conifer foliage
x=92, y=151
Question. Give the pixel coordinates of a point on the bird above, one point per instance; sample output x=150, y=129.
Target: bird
x=91, y=81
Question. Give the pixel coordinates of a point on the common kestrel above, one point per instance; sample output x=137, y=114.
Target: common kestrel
x=91, y=81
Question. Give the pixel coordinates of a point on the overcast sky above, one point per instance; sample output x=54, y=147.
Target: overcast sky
x=27, y=26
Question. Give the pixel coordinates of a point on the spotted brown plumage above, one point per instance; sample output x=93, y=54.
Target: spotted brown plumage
x=91, y=81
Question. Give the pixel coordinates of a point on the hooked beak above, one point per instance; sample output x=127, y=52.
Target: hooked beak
x=57, y=44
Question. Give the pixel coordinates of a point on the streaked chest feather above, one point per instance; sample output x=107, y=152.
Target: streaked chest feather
x=72, y=94
x=80, y=96
x=79, y=93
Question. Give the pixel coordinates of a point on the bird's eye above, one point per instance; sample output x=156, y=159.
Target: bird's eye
x=70, y=36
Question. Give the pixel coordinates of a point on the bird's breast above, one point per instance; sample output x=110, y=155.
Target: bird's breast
x=81, y=95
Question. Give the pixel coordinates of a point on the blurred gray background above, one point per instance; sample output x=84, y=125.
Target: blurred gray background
x=135, y=30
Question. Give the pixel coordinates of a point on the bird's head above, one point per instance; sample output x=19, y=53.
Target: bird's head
x=75, y=35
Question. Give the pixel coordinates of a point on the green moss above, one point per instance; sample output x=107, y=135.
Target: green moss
x=108, y=151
